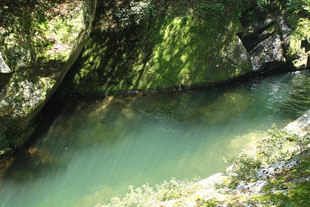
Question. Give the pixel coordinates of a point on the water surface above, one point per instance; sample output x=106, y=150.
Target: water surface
x=95, y=149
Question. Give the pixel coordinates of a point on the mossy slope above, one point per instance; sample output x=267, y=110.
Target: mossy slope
x=170, y=51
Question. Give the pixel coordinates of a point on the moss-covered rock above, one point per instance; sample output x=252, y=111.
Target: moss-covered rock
x=168, y=51
x=143, y=46
x=39, y=42
x=299, y=45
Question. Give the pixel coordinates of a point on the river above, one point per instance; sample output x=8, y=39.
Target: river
x=94, y=149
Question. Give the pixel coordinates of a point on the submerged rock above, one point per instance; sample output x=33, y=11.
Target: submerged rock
x=225, y=107
x=5, y=163
x=36, y=162
x=40, y=58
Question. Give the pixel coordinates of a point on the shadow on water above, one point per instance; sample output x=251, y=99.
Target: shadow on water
x=35, y=161
x=31, y=165
x=31, y=162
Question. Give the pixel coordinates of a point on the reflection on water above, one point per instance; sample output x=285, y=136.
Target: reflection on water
x=95, y=149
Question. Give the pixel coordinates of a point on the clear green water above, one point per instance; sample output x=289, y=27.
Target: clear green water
x=95, y=149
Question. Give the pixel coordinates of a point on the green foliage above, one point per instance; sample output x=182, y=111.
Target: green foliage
x=245, y=168
x=136, y=13
x=209, y=203
x=268, y=5
x=276, y=133
x=262, y=4
x=297, y=196
x=297, y=5
x=147, y=195
x=217, y=8
x=298, y=18
x=140, y=11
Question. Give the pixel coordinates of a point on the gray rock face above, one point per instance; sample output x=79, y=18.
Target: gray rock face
x=3, y=66
x=285, y=30
x=301, y=126
x=255, y=187
x=267, y=51
x=264, y=42
x=276, y=43
x=273, y=45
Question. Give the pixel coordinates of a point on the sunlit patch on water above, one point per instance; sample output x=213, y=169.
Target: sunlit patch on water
x=95, y=149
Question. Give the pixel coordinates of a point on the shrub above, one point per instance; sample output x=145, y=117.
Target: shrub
x=137, y=12
x=147, y=195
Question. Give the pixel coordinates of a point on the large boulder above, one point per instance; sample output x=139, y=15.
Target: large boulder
x=39, y=42
x=276, y=40
x=263, y=41
x=168, y=51
x=301, y=126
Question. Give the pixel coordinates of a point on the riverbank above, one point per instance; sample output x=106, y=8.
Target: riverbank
x=273, y=171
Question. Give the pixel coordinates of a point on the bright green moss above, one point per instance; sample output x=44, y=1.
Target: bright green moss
x=173, y=52
x=301, y=32
x=297, y=195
